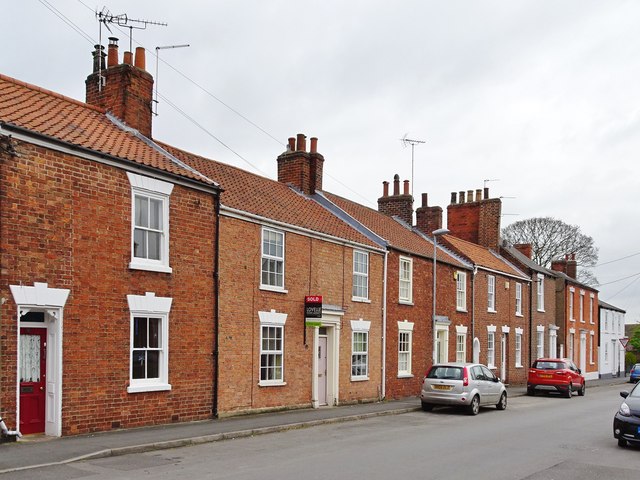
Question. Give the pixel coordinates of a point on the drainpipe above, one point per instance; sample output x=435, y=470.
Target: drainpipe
x=473, y=309
x=384, y=327
x=531, y=319
x=216, y=315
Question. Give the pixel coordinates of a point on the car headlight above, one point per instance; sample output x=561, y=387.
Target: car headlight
x=624, y=410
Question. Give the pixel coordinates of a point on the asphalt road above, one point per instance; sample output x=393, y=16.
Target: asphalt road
x=535, y=438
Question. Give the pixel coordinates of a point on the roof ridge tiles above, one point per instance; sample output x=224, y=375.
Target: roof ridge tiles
x=51, y=93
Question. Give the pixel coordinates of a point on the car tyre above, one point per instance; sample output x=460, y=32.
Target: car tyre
x=427, y=407
x=502, y=404
x=622, y=442
x=531, y=392
x=474, y=406
x=583, y=389
x=569, y=391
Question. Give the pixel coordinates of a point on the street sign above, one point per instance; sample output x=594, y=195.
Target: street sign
x=624, y=341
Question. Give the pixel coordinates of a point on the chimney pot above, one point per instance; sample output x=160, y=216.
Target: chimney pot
x=127, y=58
x=425, y=199
x=292, y=144
x=454, y=198
x=486, y=193
x=385, y=189
x=396, y=185
x=406, y=187
x=478, y=195
x=469, y=195
x=140, y=61
x=314, y=145
x=98, y=58
x=461, y=196
x=112, y=57
x=302, y=142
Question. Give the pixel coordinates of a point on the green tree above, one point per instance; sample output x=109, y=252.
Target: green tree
x=635, y=340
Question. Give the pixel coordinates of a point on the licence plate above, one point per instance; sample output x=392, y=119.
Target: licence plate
x=545, y=375
x=442, y=387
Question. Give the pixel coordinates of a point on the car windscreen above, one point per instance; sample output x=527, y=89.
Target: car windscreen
x=445, y=373
x=541, y=365
x=636, y=391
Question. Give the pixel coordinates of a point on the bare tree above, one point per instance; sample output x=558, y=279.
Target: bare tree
x=552, y=239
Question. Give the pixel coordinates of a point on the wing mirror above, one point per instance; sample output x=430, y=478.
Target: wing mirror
x=624, y=394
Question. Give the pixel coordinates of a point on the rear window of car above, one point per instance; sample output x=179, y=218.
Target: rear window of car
x=548, y=365
x=446, y=373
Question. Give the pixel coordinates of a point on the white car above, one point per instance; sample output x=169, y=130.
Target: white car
x=470, y=385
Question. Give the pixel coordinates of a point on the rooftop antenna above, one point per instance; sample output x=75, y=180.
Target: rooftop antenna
x=413, y=143
x=487, y=180
x=105, y=17
x=155, y=101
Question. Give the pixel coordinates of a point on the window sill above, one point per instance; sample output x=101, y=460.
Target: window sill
x=359, y=379
x=405, y=302
x=490, y=310
x=269, y=288
x=405, y=375
x=542, y=310
x=271, y=384
x=361, y=300
x=150, y=267
x=492, y=367
x=519, y=315
x=461, y=310
x=160, y=387
x=519, y=366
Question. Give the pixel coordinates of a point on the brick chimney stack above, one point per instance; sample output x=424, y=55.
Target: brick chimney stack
x=300, y=168
x=125, y=90
x=572, y=265
x=400, y=205
x=428, y=218
x=559, y=265
x=524, y=248
x=475, y=220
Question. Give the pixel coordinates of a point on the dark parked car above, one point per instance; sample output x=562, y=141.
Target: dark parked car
x=555, y=375
x=626, y=423
x=634, y=373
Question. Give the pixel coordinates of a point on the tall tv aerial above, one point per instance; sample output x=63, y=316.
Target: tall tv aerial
x=407, y=141
x=105, y=17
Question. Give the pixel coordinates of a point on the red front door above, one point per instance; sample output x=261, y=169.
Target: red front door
x=33, y=362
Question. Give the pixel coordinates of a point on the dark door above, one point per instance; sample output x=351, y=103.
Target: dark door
x=33, y=361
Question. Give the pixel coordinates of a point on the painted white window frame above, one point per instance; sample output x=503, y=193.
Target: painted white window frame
x=581, y=306
x=461, y=291
x=150, y=306
x=591, y=338
x=405, y=348
x=277, y=260
x=491, y=293
x=518, y=299
x=571, y=346
x=461, y=343
x=491, y=346
x=540, y=341
x=360, y=292
x=553, y=342
x=360, y=329
x=272, y=320
x=591, y=297
x=571, y=294
x=518, y=349
x=442, y=345
x=151, y=189
x=405, y=280
x=540, y=292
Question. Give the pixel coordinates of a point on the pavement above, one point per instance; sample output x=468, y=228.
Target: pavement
x=33, y=451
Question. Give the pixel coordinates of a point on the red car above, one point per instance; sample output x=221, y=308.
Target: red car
x=555, y=375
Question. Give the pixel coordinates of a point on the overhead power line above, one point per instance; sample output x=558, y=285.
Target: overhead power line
x=617, y=259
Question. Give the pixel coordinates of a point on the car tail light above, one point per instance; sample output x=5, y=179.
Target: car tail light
x=426, y=374
x=465, y=377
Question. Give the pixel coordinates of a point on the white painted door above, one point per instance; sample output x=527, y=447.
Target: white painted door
x=503, y=357
x=322, y=370
x=583, y=352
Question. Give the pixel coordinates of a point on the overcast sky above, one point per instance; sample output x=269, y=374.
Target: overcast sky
x=541, y=97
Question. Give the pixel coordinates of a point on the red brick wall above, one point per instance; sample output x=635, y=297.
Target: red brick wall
x=67, y=222
x=312, y=266
x=476, y=222
x=591, y=368
x=420, y=313
x=544, y=318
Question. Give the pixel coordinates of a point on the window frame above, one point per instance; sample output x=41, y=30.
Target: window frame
x=518, y=349
x=363, y=275
x=571, y=312
x=405, y=329
x=150, y=306
x=461, y=346
x=540, y=342
x=461, y=291
x=272, y=258
x=540, y=292
x=405, y=283
x=581, y=306
x=276, y=353
x=491, y=293
x=518, y=299
x=278, y=321
x=360, y=329
x=151, y=189
x=491, y=349
x=591, y=297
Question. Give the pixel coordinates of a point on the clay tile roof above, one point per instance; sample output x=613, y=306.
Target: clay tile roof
x=397, y=235
x=482, y=256
x=53, y=115
x=270, y=199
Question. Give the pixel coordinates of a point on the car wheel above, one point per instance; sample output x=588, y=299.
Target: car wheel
x=569, y=391
x=502, y=404
x=622, y=442
x=583, y=389
x=531, y=392
x=427, y=407
x=474, y=407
